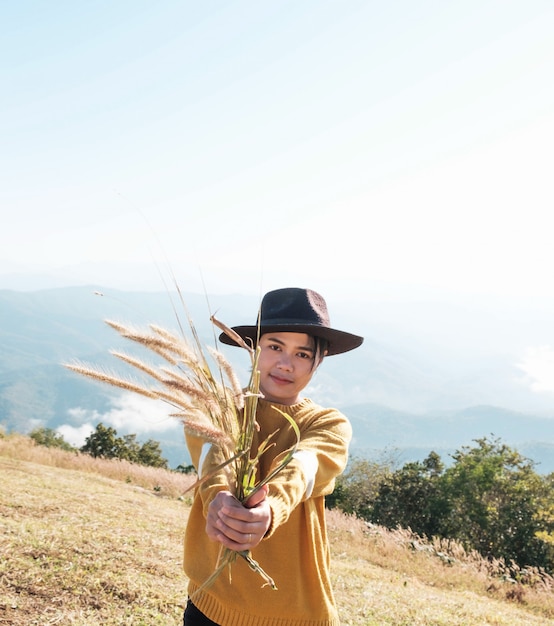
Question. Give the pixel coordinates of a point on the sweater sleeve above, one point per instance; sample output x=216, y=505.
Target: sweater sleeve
x=206, y=457
x=321, y=456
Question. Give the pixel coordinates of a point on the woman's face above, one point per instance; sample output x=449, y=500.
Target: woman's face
x=286, y=365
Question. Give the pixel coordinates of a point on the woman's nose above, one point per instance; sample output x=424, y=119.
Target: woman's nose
x=285, y=361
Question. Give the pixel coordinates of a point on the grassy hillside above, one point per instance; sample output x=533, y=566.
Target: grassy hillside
x=87, y=542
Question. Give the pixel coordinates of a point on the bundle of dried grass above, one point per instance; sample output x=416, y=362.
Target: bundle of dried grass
x=211, y=406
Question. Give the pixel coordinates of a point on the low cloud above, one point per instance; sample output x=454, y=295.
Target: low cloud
x=129, y=413
x=538, y=366
x=75, y=435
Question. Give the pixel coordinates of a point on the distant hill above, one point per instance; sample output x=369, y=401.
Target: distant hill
x=400, y=391
x=412, y=436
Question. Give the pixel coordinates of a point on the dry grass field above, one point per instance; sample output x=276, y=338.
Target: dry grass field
x=88, y=542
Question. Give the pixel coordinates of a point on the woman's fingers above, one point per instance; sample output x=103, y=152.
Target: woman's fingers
x=234, y=525
x=258, y=497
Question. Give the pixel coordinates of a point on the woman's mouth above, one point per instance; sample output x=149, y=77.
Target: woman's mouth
x=279, y=380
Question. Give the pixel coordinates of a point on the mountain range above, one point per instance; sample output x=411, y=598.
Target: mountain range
x=414, y=386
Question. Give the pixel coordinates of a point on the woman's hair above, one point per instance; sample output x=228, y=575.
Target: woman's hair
x=320, y=348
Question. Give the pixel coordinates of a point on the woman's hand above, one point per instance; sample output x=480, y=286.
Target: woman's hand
x=238, y=526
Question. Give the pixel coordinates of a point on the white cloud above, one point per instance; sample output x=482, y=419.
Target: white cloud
x=129, y=414
x=78, y=414
x=538, y=365
x=75, y=435
x=139, y=415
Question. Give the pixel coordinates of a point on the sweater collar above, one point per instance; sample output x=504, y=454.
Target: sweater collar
x=289, y=409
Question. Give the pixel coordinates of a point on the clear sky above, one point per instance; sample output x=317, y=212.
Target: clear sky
x=355, y=147
x=340, y=145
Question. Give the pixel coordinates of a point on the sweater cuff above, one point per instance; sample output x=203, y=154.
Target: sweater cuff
x=279, y=515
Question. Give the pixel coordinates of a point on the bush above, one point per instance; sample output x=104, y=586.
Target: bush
x=51, y=439
x=494, y=503
x=410, y=497
x=491, y=500
x=105, y=443
x=357, y=488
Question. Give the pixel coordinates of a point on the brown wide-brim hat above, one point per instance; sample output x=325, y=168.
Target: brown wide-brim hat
x=296, y=310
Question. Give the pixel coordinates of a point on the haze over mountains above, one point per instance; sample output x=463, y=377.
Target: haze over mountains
x=431, y=375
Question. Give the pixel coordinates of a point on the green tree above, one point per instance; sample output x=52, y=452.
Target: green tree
x=494, y=500
x=51, y=439
x=129, y=449
x=409, y=498
x=545, y=517
x=150, y=454
x=490, y=499
x=103, y=442
x=356, y=489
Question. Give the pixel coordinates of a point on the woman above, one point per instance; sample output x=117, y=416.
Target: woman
x=284, y=523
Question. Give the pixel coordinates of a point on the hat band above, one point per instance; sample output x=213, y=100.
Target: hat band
x=294, y=322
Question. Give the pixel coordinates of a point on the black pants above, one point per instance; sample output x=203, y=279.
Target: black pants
x=194, y=617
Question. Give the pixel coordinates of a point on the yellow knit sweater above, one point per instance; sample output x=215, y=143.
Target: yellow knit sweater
x=295, y=551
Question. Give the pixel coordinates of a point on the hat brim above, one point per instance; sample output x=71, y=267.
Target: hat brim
x=339, y=341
